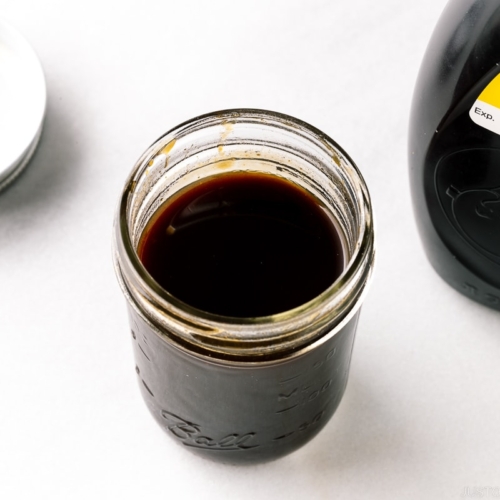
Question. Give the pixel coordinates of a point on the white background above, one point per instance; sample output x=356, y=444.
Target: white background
x=420, y=418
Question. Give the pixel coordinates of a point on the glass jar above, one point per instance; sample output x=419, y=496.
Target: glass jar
x=244, y=390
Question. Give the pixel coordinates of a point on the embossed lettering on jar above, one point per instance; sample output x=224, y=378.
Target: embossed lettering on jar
x=243, y=384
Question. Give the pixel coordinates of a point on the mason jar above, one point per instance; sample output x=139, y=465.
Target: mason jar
x=244, y=390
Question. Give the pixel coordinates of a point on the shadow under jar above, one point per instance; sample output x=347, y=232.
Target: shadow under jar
x=235, y=388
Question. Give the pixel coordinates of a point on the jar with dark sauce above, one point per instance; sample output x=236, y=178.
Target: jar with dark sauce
x=244, y=246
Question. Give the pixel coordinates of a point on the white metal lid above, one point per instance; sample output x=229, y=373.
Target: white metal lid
x=23, y=99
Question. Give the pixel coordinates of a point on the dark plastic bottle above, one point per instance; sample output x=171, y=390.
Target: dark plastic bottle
x=454, y=149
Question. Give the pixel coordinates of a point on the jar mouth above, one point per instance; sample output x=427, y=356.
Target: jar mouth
x=234, y=336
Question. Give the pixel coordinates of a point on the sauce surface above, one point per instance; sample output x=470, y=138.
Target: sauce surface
x=242, y=245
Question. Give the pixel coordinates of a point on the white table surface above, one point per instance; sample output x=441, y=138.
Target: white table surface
x=420, y=417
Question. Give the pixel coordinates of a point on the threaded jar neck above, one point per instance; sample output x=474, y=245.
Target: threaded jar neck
x=252, y=141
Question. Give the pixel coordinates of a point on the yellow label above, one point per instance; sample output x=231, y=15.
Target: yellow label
x=491, y=94
x=486, y=109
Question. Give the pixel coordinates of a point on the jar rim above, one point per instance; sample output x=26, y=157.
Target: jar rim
x=259, y=331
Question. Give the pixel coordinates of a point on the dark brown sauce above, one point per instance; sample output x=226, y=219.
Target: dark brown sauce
x=242, y=245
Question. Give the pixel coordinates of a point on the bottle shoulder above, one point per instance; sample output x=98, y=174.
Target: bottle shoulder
x=463, y=50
